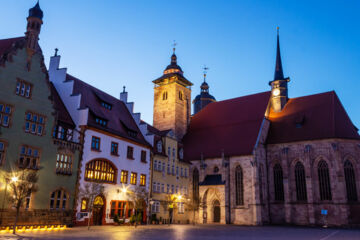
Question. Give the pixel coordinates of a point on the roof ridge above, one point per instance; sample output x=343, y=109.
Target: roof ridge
x=230, y=99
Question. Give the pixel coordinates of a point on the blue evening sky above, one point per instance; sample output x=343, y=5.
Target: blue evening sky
x=114, y=43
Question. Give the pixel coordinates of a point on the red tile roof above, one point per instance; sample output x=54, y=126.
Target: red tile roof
x=231, y=126
x=318, y=116
x=6, y=44
x=62, y=113
x=119, y=120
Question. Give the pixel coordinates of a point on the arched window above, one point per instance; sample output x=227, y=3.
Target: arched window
x=324, y=181
x=350, y=181
x=59, y=200
x=100, y=170
x=196, y=186
x=165, y=95
x=300, y=181
x=239, y=186
x=278, y=182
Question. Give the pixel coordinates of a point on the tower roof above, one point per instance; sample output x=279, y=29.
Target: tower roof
x=36, y=11
x=173, y=69
x=279, y=75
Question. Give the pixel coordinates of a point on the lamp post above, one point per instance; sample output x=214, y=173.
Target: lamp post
x=13, y=179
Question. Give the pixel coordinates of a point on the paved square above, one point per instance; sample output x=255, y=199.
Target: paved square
x=189, y=232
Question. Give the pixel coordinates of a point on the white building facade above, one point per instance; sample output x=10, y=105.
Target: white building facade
x=115, y=152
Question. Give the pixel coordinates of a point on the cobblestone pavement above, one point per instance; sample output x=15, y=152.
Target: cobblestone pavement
x=189, y=232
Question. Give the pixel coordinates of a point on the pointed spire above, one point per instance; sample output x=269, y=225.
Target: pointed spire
x=173, y=56
x=36, y=11
x=279, y=75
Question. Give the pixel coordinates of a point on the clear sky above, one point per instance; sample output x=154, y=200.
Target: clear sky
x=112, y=43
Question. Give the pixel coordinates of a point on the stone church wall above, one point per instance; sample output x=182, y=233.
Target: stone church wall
x=335, y=152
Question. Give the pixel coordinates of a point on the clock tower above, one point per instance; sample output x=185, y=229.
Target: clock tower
x=172, y=99
x=279, y=86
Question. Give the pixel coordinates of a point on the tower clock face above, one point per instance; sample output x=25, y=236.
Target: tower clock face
x=276, y=92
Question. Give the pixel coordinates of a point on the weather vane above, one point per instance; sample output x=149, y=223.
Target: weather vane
x=205, y=72
x=174, y=46
x=56, y=51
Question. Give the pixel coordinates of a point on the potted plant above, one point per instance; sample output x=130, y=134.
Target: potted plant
x=160, y=220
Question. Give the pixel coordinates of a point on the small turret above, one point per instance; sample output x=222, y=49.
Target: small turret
x=34, y=22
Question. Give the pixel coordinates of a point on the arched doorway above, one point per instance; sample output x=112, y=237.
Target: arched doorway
x=216, y=211
x=98, y=210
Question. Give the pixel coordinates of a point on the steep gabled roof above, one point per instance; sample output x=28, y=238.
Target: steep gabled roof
x=119, y=120
x=62, y=113
x=231, y=126
x=313, y=117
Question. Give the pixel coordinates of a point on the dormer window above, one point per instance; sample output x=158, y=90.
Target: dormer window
x=101, y=121
x=106, y=105
x=159, y=146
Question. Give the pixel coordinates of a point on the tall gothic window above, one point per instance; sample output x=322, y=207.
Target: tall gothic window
x=300, y=181
x=350, y=182
x=278, y=183
x=100, y=171
x=239, y=186
x=324, y=181
x=196, y=185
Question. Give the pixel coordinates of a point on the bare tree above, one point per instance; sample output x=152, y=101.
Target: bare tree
x=138, y=196
x=90, y=191
x=21, y=185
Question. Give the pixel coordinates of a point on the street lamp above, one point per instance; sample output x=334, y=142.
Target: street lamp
x=14, y=179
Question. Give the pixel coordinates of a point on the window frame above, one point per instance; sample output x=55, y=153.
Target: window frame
x=97, y=146
x=27, y=90
x=37, y=123
x=133, y=178
x=114, y=146
x=124, y=175
x=142, y=180
x=130, y=153
x=94, y=174
x=69, y=163
x=4, y=113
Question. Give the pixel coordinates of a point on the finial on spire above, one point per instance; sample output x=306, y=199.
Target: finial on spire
x=124, y=89
x=56, y=51
x=205, y=72
x=174, y=46
x=279, y=75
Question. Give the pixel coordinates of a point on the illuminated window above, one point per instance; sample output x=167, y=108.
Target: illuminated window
x=300, y=182
x=2, y=152
x=95, y=143
x=350, y=182
x=23, y=88
x=5, y=114
x=181, y=208
x=324, y=181
x=58, y=200
x=143, y=156
x=142, y=180
x=122, y=209
x=133, y=178
x=100, y=171
x=34, y=123
x=130, y=152
x=239, y=186
x=114, y=148
x=84, y=204
x=278, y=183
x=63, y=164
x=29, y=157
x=124, y=176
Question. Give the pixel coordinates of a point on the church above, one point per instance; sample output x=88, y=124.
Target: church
x=264, y=158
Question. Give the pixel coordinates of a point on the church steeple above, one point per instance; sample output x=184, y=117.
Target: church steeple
x=279, y=75
x=279, y=86
x=204, y=98
x=34, y=26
